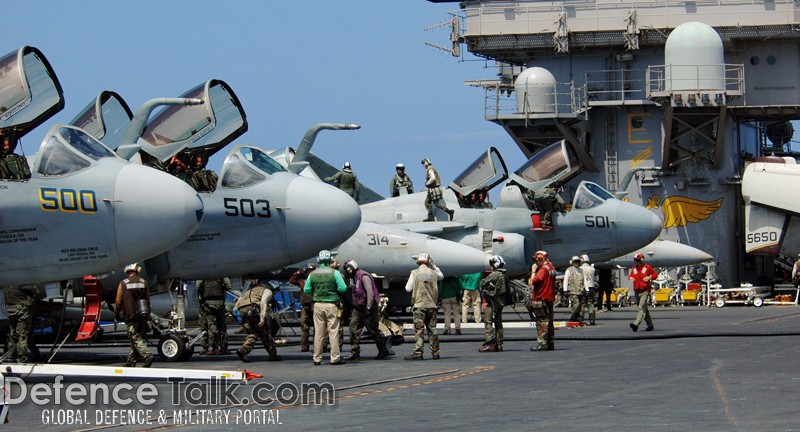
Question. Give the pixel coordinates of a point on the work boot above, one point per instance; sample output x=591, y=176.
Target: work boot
x=130, y=363
x=458, y=332
x=429, y=218
x=413, y=357
x=436, y=356
x=649, y=328
x=243, y=356
x=304, y=349
x=274, y=357
x=353, y=357
x=382, y=355
x=450, y=213
x=499, y=347
x=446, y=332
x=536, y=348
x=634, y=327
x=224, y=351
x=488, y=348
x=204, y=351
x=148, y=360
x=213, y=352
x=337, y=363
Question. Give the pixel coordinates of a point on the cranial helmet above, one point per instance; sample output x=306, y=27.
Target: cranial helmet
x=400, y=166
x=423, y=258
x=426, y=161
x=575, y=258
x=346, y=165
x=274, y=285
x=497, y=262
x=541, y=253
x=585, y=258
x=324, y=256
x=133, y=268
x=351, y=266
x=638, y=257
x=310, y=267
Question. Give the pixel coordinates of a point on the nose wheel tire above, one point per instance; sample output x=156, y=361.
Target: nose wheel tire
x=758, y=302
x=719, y=302
x=172, y=348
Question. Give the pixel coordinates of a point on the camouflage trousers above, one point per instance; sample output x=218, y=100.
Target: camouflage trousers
x=545, y=332
x=425, y=320
x=306, y=323
x=434, y=197
x=136, y=332
x=591, y=299
x=20, y=326
x=359, y=320
x=212, y=320
x=254, y=333
x=493, y=320
x=577, y=305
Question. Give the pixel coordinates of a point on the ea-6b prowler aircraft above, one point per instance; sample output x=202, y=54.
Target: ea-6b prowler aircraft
x=771, y=198
x=385, y=250
x=83, y=207
x=597, y=224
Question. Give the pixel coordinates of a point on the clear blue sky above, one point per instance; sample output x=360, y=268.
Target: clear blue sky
x=292, y=64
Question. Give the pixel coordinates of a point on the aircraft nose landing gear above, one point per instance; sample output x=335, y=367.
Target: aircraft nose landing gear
x=175, y=345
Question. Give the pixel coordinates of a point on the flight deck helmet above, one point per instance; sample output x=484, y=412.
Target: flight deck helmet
x=426, y=162
x=324, y=257
x=400, y=167
x=133, y=268
x=497, y=262
x=639, y=257
x=423, y=258
x=346, y=165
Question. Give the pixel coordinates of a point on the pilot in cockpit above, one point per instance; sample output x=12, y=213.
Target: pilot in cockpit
x=205, y=180
x=12, y=165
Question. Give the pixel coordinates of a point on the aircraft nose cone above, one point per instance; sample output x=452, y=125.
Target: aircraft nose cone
x=454, y=258
x=153, y=212
x=636, y=226
x=318, y=216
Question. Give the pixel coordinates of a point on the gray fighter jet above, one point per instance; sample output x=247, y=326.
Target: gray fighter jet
x=597, y=224
x=83, y=209
x=771, y=199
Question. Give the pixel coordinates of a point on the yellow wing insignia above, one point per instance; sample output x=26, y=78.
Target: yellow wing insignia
x=680, y=210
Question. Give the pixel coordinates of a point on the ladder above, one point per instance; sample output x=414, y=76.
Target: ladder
x=611, y=150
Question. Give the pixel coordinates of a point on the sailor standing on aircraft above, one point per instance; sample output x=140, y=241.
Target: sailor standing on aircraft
x=400, y=181
x=133, y=305
x=591, y=292
x=433, y=182
x=493, y=290
x=326, y=284
x=255, y=308
x=543, y=295
x=575, y=288
x=12, y=165
x=211, y=295
x=346, y=180
x=365, y=298
x=19, y=305
x=642, y=276
x=423, y=284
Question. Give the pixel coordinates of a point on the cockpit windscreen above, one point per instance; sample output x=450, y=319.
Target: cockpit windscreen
x=590, y=195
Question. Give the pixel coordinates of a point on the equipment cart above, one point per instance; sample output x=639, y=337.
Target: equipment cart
x=746, y=294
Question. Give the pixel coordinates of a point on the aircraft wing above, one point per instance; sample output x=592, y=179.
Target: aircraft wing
x=435, y=228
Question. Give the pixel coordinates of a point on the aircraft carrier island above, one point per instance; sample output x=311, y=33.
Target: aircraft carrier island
x=663, y=102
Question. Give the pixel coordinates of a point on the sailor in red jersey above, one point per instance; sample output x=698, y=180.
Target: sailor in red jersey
x=642, y=276
x=543, y=295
